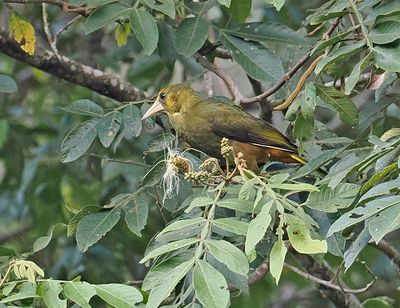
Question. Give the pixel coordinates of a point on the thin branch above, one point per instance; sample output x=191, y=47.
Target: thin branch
x=361, y=22
x=47, y=31
x=261, y=271
x=15, y=234
x=291, y=72
x=230, y=84
x=65, y=6
x=325, y=283
x=299, y=85
x=67, y=25
x=75, y=72
x=120, y=161
x=389, y=250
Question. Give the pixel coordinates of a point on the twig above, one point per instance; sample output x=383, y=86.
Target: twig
x=388, y=250
x=230, y=84
x=65, y=6
x=261, y=271
x=325, y=283
x=15, y=233
x=75, y=72
x=361, y=22
x=67, y=25
x=107, y=159
x=300, y=84
x=46, y=25
x=291, y=72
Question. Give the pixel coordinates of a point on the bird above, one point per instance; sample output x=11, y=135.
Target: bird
x=203, y=122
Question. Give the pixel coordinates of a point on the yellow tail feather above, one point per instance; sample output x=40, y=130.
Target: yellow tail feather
x=298, y=158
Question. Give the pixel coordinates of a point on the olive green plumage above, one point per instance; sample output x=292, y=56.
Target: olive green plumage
x=203, y=122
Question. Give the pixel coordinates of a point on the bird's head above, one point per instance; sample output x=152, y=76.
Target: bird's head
x=172, y=98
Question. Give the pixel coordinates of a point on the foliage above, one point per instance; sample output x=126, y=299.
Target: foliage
x=196, y=232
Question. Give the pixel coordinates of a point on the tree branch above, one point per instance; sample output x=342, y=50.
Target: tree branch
x=325, y=283
x=65, y=6
x=389, y=250
x=64, y=68
x=291, y=72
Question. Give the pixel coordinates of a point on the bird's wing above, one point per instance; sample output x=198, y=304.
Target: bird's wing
x=235, y=124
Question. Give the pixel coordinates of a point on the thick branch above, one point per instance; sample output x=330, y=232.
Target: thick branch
x=72, y=71
x=389, y=250
x=291, y=72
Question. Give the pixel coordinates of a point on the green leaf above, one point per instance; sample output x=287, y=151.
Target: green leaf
x=79, y=292
x=362, y=213
x=343, y=104
x=303, y=128
x=386, y=8
x=78, y=140
x=108, y=127
x=300, y=238
x=84, y=107
x=164, y=286
x=230, y=255
x=94, y=226
x=338, y=55
x=277, y=258
x=237, y=204
x=382, y=189
x=322, y=44
x=166, y=46
x=210, y=286
x=258, y=61
x=199, y=202
x=179, y=224
x=41, y=242
x=268, y=32
x=122, y=33
x=166, y=7
x=240, y=9
x=73, y=223
x=226, y=3
x=232, y=225
x=356, y=246
x=276, y=3
x=118, y=295
x=379, y=302
x=96, y=3
x=136, y=212
x=3, y=132
x=257, y=228
x=331, y=200
x=169, y=247
x=7, y=84
x=377, y=177
x=190, y=35
x=161, y=142
x=387, y=58
x=309, y=101
x=105, y=15
x=387, y=221
x=50, y=290
x=155, y=174
x=27, y=290
x=385, y=32
x=360, y=67
x=145, y=28
x=132, y=121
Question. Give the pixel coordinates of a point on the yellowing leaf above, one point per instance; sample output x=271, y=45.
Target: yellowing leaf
x=300, y=238
x=23, y=32
x=122, y=33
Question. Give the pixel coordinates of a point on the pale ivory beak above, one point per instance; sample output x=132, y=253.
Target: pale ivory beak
x=155, y=108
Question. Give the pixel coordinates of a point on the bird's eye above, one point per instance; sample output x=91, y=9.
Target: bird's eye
x=162, y=95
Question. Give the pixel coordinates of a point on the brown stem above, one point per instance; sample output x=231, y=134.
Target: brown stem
x=389, y=250
x=65, y=6
x=291, y=72
x=75, y=72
